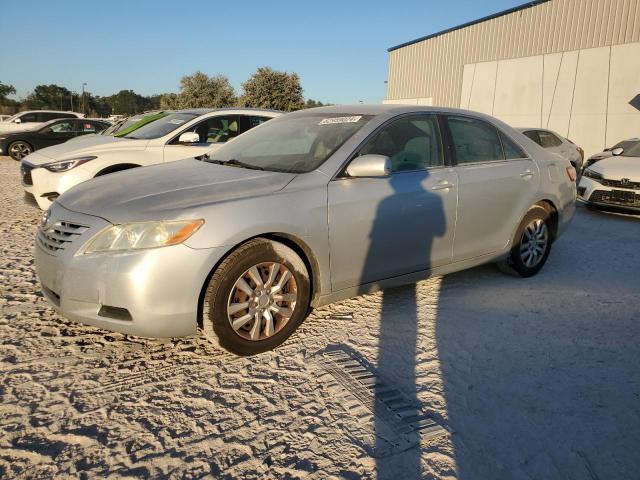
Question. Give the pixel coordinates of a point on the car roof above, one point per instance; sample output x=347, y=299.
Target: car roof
x=388, y=109
x=202, y=111
x=48, y=111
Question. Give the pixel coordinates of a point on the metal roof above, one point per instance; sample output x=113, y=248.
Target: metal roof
x=468, y=24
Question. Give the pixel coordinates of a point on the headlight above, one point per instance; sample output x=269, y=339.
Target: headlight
x=593, y=175
x=64, y=165
x=137, y=236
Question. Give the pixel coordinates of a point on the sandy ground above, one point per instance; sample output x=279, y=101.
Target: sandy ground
x=533, y=379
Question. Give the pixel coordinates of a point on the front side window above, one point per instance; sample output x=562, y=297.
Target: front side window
x=62, y=127
x=412, y=143
x=295, y=144
x=632, y=150
x=215, y=130
x=159, y=127
x=474, y=140
x=29, y=117
x=548, y=139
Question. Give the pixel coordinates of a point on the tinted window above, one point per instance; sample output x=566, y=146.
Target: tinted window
x=46, y=116
x=474, y=140
x=548, y=139
x=29, y=117
x=533, y=135
x=62, y=127
x=511, y=149
x=411, y=143
x=215, y=129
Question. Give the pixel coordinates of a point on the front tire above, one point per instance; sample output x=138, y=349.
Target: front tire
x=531, y=244
x=256, y=298
x=19, y=149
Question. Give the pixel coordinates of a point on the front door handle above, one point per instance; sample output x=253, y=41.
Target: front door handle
x=443, y=186
x=527, y=173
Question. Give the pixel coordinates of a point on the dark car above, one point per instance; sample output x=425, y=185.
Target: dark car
x=22, y=143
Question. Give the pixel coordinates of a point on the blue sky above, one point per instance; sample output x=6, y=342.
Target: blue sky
x=339, y=48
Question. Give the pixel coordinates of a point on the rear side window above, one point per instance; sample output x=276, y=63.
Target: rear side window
x=412, y=143
x=474, y=140
x=533, y=135
x=511, y=149
x=548, y=139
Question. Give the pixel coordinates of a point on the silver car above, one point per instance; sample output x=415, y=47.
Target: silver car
x=557, y=144
x=307, y=209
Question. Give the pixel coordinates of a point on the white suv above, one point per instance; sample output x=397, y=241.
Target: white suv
x=33, y=118
x=176, y=135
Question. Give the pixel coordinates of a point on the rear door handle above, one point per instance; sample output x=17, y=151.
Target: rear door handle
x=443, y=186
x=527, y=173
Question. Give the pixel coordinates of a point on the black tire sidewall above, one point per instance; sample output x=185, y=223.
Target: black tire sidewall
x=515, y=260
x=221, y=285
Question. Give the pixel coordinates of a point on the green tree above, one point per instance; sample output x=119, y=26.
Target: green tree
x=6, y=90
x=170, y=101
x=51, y=97
x=268, y=88
x=313, y=103
x=127, y=102
x=202, y=91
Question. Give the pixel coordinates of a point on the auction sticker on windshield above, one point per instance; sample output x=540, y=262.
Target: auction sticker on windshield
x=330, y=121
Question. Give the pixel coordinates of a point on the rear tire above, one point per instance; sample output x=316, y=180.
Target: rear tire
x=256, y=298
x=531, y=244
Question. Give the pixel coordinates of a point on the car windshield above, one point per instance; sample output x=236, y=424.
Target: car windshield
x=161, y=126
x=297, y=144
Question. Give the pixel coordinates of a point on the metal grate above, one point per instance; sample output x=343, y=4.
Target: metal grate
x=621, y=184
x=58, y=235
x=623, y=198
x=405, y=423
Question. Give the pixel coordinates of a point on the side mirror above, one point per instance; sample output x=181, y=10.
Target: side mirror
x=370, y=166
x=17, y=120
x=617, y=151
x=189, y=137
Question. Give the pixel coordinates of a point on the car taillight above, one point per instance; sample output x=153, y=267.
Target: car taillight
x=571, y=172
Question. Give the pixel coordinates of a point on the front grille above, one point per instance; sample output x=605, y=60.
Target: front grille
x=59, y=235
x=25, y=169
x=623, y=198
x=621, y=184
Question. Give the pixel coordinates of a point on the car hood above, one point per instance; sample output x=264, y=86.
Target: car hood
x=93, y=145
x=600, y=156
x=166, y=191
x=9, y=127
x=615, y=168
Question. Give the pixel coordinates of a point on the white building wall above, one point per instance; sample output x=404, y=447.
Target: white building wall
x=583, y=94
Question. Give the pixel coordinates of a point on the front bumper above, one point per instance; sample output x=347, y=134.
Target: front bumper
x=595, y=193
x=45, y=186
x=151, y=293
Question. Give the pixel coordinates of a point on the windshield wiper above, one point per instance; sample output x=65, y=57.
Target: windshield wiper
x=233, y=162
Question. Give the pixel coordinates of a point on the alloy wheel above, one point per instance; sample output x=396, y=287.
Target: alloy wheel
x=534, y=242
x=19, y=150
x=262, y=301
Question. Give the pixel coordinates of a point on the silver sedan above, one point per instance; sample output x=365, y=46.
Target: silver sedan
x=307, y=209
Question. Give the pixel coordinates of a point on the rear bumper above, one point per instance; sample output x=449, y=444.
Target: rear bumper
x=150, y=293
